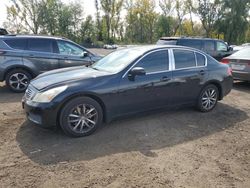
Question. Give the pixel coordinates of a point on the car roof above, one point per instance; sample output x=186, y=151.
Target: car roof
x=147, y=48
x=31, y=36
x=188, y=38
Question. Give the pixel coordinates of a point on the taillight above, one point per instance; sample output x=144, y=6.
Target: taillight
x=229, y=71
x=225, y=61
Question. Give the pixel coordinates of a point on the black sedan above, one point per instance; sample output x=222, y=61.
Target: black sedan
x=125, y=82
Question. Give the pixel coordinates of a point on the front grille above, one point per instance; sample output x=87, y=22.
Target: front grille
x=30, y=92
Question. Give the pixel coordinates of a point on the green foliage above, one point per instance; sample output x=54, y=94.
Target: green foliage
x=140, y=23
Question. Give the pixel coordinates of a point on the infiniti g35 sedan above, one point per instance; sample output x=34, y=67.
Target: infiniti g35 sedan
x=125, y=82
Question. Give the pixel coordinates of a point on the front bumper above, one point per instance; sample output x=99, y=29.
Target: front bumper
x=40, y=114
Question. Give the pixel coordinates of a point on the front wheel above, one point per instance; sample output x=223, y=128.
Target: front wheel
x=208, y=98
x=18, y=80
x=81, y=117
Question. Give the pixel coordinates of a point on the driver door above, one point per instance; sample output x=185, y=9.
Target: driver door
x=71, y=55
x=149, y=91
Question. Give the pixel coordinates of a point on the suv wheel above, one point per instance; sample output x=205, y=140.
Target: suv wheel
x=18, y=80
x=81, y=117
x=208, y=98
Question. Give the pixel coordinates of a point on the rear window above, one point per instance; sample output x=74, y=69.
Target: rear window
x=40, y=45
x=18, y=44
x=201, y=61
x=184, y=59
x=191, y=43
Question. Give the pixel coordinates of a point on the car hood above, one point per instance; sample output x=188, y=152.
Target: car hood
x=65, y=75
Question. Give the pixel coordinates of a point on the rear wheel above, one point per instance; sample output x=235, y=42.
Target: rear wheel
x=81, y=117
x=208, y=98
x=18, y=80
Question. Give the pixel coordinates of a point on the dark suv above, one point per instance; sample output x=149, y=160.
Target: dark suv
x=214, y=47
x=3, y=31
x=24, y=57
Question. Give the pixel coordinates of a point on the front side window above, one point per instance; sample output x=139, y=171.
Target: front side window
x=18, y=44
x=156, y=61
x=184, y=59
x=40, y=45
x=66, y=48
x=221, y=47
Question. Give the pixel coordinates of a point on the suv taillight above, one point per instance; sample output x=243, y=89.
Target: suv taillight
x=225, y=61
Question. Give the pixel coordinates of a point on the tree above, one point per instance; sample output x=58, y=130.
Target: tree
x=234, y=20
x=209, y=13
x=13, y=23
x=141, y=18
x=29, y=12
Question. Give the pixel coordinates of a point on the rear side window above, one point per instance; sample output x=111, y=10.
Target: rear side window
x=201, y=61
x=40, y=45
x=19, y=44
x=184, y=59
x=191, y=43
x=209, y=46
x=156, y=61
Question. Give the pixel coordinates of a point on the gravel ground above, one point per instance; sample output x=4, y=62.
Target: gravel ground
x=177, y=148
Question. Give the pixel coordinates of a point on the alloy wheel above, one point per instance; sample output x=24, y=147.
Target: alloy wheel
x=18, y=81
x=82, y=118
x=209, y=98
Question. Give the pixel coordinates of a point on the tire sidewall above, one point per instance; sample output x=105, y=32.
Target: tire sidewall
x=66, y=109
x=10, y=73
x=199, y=105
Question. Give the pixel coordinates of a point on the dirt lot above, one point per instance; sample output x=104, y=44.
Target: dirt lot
x=177, y=148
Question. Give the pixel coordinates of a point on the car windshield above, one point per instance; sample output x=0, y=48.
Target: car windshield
x=244, y=53
x=117, y=61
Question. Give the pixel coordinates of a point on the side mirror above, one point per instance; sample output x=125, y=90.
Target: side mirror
x=230, y=48
x=84, y=54
x=137, y=71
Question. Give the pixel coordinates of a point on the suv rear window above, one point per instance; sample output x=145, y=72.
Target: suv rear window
x=18, y=44
x=40, y=45
x=166, y=42
x=191, y=43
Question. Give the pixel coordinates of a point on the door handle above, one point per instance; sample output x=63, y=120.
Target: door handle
x=202, y=72
x=165, y=79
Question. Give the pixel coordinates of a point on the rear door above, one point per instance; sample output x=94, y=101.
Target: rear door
x=189, y=74
x=40, y=56
x=71, y=54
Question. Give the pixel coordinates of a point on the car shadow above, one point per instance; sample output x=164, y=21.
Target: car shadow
x=242, y=86
x=144, y=133
x=8, y=96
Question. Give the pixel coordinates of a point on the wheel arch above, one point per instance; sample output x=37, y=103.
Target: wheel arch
x=90, y=95
x=218, y=85
x=25, y=68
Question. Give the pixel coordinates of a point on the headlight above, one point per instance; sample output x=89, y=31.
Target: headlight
x=47, y=96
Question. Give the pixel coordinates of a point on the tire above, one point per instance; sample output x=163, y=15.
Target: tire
x=18, y=80
x=208, y=98
x=81, y=117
